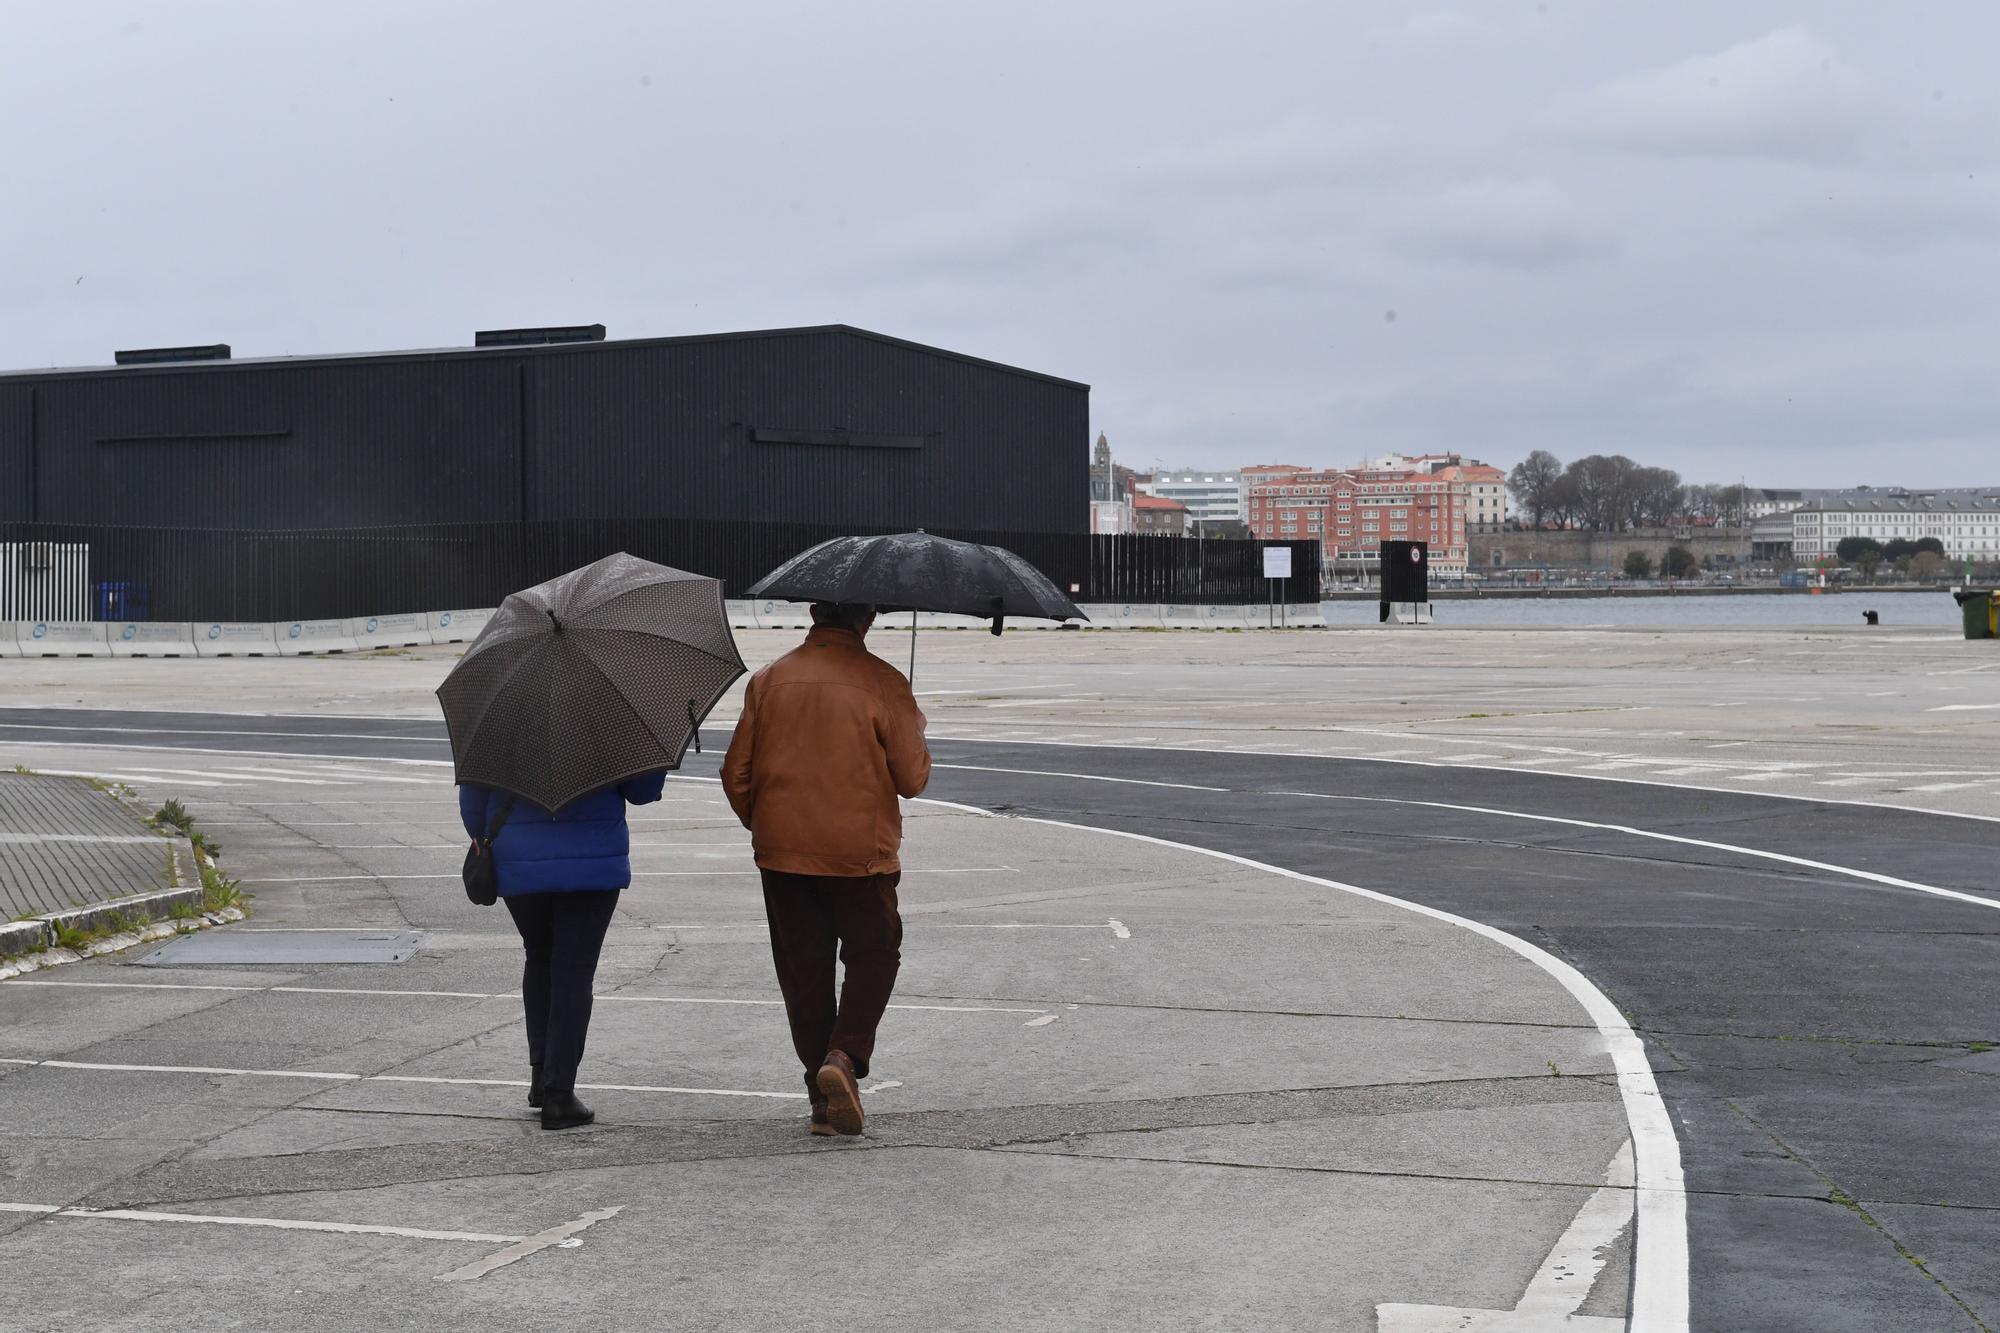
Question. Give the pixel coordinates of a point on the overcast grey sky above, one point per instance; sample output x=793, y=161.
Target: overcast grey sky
x=1729, y=237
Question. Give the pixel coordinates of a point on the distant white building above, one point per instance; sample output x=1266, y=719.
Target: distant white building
x=1966, y=522
x=1211, y=496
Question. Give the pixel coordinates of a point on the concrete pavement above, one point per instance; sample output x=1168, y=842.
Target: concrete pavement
x=1819, y=1033
x=1127, y=1087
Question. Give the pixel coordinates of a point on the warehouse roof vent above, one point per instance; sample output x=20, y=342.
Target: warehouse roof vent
x=568, y=333
x=150, y=356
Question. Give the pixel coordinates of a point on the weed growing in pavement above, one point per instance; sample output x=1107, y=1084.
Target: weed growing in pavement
x=183, y=911
x=1979, y=1047
x=218, y=891
x=73, y=939
x=1553, y=1071
x=24, y=770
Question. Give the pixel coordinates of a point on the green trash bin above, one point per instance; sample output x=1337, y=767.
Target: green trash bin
x=1981, y=609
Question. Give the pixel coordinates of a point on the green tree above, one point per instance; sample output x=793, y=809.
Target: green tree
x=1851, y=550
x=1638, y=565
x=1678, y=562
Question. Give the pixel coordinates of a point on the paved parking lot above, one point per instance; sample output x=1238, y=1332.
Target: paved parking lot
x=1172, y=1088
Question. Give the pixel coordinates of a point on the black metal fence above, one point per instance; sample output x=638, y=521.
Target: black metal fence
x=187, y=574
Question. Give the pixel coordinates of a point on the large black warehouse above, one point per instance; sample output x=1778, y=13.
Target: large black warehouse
x=181, y=485
x=833, y=425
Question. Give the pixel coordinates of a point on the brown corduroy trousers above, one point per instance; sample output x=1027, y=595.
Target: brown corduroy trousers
x=813, y=918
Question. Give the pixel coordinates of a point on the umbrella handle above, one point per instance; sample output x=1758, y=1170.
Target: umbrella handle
x=695, y=726
x=913, y=647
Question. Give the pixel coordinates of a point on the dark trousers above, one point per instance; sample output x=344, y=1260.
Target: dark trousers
x=563, y=933
x=813, y=918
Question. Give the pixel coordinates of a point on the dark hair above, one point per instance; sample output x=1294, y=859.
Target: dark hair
x=843, y=615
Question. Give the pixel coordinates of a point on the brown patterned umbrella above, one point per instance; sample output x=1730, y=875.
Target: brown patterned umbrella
x=586, y=680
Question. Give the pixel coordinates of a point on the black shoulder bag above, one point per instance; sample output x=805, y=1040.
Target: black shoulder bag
x=482, y=877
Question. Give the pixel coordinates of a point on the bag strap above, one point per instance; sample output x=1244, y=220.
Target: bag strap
x=506, y=809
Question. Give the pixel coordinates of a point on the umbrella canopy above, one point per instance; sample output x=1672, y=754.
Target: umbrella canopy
x=589, y=679
x=914, y=571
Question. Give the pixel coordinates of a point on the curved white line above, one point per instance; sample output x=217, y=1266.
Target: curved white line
x=1632, y=831
x=1481, y=768
x=1660, y=1247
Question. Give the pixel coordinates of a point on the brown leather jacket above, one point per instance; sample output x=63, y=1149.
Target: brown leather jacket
x=830, y=736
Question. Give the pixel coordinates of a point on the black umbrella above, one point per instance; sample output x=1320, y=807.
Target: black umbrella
x=914, y=571
x=589, y=679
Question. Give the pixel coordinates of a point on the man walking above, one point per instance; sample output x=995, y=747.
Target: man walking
x=830, y=736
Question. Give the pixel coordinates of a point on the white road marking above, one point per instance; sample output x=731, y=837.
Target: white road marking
x=328, y=1076
x=282, y=1224
x=118, y=777
x=124, y=730
x=1828, y=866
x=1962, y=708
x=1660, y=1250
x=1041, y=1022
x=1118, y=929
x=534, y=1244
x=1559, y=1286
x=1038, y=773
x=1514, y=766
x=254, y=775
x=29, y=839
x=603, y=997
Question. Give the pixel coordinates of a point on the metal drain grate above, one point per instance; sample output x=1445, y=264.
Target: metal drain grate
x=285, y=947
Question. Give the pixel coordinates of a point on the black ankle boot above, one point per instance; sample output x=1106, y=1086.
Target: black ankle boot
x=561, y=1110
x=534, y=1085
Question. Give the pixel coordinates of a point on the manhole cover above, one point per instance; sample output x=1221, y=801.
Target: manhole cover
x=235, y=948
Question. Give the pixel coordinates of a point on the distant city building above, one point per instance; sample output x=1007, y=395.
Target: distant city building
x=1110, y=491
x=1212, y=496
x=1159, y=515
x=1485, y=485
x=1351, y=512
x=1967, y=522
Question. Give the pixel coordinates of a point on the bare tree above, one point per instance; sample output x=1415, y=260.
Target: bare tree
x=1532, y=482
x=1658, y=498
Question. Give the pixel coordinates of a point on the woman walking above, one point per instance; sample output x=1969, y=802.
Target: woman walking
x=559, y=875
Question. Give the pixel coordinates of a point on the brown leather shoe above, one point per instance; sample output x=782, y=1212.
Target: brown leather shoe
x=843, y=1095
x=821, y=1126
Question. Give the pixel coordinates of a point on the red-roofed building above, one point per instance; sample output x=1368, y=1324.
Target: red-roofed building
x=1159, y=515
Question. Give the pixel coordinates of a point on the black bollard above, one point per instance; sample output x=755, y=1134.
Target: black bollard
x=1871, y=617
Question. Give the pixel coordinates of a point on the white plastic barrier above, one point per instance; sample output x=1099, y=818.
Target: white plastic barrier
x=458, y=626
x=61, y=638
x=1202, y=617
x=1135, y=615
x=1304, y=615
x=305, y=638
x=150, y=638
x=410, y=629
x=742, y=615
x=226, y=639
x=946, y=620
x=1106, y=615
x=788, y=615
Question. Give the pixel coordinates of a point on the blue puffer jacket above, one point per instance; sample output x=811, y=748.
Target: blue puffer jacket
x=584, y=846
